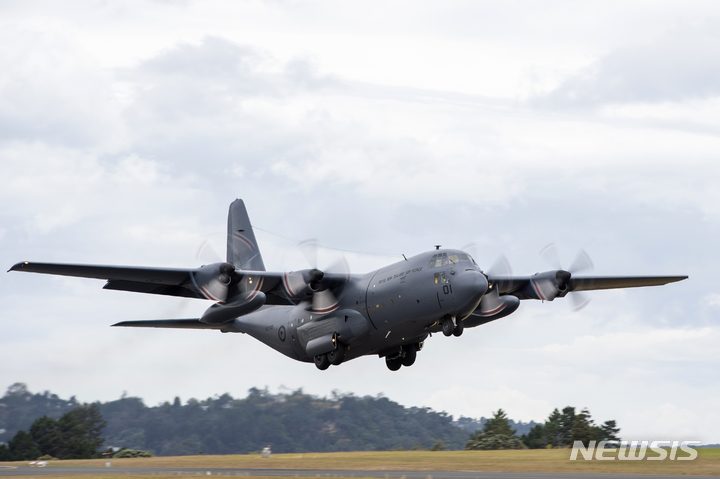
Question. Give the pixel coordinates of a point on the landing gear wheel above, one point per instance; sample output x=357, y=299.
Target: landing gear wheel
x=322, y=362
x=448, y=327
x=459, y=328
x=410, y=355
x=394, y=364
x=336, y=357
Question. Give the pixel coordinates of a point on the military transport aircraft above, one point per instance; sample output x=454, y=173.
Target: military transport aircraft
x=328, y=318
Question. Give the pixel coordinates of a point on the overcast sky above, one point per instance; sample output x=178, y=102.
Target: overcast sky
x=128, y=127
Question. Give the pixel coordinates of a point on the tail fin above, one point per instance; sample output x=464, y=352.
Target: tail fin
x=242, y=248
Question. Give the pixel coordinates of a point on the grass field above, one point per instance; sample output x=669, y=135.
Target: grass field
x=536, y=460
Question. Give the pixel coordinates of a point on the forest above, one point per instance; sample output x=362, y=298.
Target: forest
x=288, y=422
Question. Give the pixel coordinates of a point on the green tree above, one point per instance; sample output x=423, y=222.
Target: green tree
x=551, y=430
x=23, y=448
x=608, y=432
x=93, y=424
x=438, y=446
x=536, y=438
x=496, y=434
x=480, y=441
x=498, y=424
x=5, y=453
x=567, y=421
x=47, y=435
x=583, y=429
x=81, y=431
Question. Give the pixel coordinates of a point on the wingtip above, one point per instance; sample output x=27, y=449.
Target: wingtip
x=17, y=266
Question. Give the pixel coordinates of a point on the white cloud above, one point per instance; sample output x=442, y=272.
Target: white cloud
x=681, y=65
x=478, y=402
x=132, y=126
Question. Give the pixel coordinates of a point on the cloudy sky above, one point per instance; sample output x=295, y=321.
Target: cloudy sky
x=127, y=128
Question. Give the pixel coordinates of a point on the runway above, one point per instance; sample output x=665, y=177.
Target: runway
x=317, y=473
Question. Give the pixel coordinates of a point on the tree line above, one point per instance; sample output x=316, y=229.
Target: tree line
x=561, y=429
x=289, y=422
x=76, y=435
x=34, y=425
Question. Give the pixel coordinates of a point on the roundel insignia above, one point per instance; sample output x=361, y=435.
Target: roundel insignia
x=281, y=333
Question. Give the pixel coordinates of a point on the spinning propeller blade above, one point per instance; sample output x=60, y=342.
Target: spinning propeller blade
x=213, y=280
x=324, y=286
x=582, y=262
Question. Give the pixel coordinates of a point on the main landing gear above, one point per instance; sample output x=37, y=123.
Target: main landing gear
x=323, y=361
x=452, y=327
x=406, y=357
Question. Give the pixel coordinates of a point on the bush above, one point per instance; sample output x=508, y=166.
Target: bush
x=47, y=457
x=131, y=453
x=488, y=442
x=438, y=446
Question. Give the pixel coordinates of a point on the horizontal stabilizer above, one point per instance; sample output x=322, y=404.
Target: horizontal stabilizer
x=193, y=323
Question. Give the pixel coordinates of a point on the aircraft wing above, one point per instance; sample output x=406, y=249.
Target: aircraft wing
x=525, y=287
x=139, y=279
x=123, y=273
x=169, y=281
x=614, y=282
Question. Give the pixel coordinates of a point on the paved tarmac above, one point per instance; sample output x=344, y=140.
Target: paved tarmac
x=182, y=471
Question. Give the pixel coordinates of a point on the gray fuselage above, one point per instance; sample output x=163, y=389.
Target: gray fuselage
x=379, y=312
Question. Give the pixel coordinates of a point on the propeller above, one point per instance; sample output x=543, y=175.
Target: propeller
x=207, y=252
x=582, y=262
x=501, y=269
x=321, y=285
x=213, y=280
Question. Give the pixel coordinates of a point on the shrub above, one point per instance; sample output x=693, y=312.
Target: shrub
x=132, y=453
x=493, y=442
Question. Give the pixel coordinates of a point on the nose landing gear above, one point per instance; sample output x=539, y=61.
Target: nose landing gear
x=459, y=328
x=452, y=327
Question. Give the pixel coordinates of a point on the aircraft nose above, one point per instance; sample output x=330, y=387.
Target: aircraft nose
x=469, y=288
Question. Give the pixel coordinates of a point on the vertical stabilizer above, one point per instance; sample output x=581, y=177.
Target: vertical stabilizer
x=242, y=248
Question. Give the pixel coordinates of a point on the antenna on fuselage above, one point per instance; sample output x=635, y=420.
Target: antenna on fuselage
x=437, y=246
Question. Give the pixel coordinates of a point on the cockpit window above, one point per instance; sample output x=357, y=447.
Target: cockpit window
x=438, y=260
x=442, y=259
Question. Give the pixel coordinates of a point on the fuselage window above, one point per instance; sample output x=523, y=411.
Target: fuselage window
x=432, y=262
x=440, y=277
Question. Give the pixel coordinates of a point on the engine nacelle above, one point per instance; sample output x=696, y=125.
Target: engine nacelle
x=492, y=307
x=242, y=304
x=213, y=280
x=548, y=285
